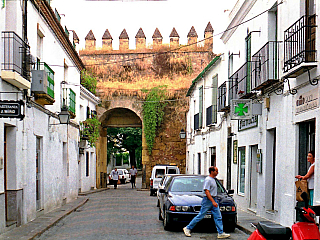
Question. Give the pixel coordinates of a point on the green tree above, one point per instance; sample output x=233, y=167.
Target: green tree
x=88, y=81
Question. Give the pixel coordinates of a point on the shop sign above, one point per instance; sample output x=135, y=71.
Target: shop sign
x=235, y=151
x=248, y=123
x=307, y=101
x=11, y=109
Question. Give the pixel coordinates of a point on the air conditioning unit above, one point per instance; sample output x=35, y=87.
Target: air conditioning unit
x=39, y=82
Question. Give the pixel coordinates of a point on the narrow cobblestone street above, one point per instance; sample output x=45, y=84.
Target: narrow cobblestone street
x=123, y=213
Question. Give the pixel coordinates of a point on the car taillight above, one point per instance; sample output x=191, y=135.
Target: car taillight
x=233, y=209
x=172, y=208
x=151, y=183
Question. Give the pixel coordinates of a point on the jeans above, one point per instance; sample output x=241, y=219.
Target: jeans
x=311, y=197
x=206, y=205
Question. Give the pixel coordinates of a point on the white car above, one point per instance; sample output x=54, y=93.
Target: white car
x=124, y=176
x=158, y=172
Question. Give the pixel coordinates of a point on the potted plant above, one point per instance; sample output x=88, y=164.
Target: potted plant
x=89, y=131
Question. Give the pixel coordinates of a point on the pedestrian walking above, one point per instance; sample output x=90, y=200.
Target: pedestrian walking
x=209, y=203
x=115, y=177
x=133, y=173
x=309, y=176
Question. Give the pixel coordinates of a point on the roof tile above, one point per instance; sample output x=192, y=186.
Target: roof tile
x=174, y=33
x=157, y=34
x=107, y=35
x=192, y=32
x=140, y=34
x=124, y=34
x=90, y=36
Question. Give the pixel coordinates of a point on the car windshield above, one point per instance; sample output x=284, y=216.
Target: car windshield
x=120, y=172
x=187, y=184
x=194, y=184
x=159, y=173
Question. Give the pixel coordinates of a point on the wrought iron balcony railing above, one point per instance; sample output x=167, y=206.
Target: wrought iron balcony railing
x=16, y=54
x=265, y=66
x=239, y=83
x=299, y=43
x=222, y=97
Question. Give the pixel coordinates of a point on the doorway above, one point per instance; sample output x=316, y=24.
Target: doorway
x=253, y=178
x=307, y=132
x=229, y=151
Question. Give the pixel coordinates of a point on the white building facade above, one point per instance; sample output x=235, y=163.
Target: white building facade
x=40, y=165
x=271, y=58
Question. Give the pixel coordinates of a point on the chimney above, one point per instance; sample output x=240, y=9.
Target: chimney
x=192, y=37
x=174, y=38
x=75, y=37
x=123, y=40
x=107, y=40
x=90, y=41
x=140, y=39
x=208, y=35
x=157, y=38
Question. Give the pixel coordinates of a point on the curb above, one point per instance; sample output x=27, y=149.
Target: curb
x=57, y=219
x=245, y=230
x=93, y=191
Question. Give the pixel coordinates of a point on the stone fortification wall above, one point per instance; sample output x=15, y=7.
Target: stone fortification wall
x=126, y=72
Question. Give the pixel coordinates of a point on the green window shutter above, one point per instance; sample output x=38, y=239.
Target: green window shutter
x=72, y=101
x=3, y=3
x=214, y=98
x=200, y=105
x=50, y=87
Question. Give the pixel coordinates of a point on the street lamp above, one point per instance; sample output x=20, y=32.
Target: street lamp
x=182, y=134
x=64, y=116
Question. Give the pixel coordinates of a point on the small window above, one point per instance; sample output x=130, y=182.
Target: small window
x=159, y=173
x=172, y=171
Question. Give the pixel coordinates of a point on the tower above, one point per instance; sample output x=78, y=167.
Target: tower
x=90, y=41
x=107, y=40
x=174, y=38
x=208, y=35
x=157, y=38
x=123, y=40
x=140, y=39
x=192, y=37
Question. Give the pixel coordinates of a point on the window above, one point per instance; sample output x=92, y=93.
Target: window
x=160, y=173
x=200, y=105
x=88, y=112
x=199, y=163
x=72, y=101
x=248, y=60
x=214, y=98
x=39, y=46
x=242, y=169
x=213, y=156
x=87, y=164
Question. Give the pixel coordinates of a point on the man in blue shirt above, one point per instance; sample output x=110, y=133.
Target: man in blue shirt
x=209, y=203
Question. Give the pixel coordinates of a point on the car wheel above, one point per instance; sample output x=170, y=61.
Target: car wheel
x=230, y=226
x=166, y=224
x=160, y=216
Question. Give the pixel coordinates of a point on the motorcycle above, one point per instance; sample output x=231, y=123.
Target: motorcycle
x=306, y=229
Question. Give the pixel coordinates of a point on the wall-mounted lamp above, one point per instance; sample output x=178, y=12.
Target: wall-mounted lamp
x=64, y=116
x=232, y=134
x=182, y=134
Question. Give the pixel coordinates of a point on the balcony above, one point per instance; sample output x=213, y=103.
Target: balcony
x=265, y=66
x=239, y=83
x=43, y=84
x=299, y=47
x=15, y=67
x=222, y=97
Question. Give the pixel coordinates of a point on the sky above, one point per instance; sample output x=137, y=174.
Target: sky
x=83, y=16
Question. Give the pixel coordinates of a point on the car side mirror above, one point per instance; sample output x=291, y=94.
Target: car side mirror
x=161, y=190
x=230, y=191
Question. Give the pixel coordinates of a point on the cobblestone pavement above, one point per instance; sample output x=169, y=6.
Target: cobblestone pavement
x=122, y=213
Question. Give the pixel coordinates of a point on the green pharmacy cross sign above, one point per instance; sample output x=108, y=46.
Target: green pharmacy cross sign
x=241, y=109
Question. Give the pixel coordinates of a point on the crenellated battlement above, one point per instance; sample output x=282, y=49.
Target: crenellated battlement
x=140, y=40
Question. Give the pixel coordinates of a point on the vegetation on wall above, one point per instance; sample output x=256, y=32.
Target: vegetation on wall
x=89, y=130
x=88, y=81
x=153, y=113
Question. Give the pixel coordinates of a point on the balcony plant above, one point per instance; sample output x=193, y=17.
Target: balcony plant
x=89, y=130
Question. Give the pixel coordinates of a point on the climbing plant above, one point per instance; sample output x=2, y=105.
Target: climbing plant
x=90, y=130
x=88, y=81
x=153, y=112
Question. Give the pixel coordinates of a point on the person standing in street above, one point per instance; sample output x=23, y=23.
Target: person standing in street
x=209, y=203
x=133, y=173
x=115, y=177
x=309, y=176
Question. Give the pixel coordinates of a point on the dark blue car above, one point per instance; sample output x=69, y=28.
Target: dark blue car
x=181, y=202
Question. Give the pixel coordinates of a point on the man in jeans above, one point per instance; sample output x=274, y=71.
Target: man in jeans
x=209, y=203
x=115, y=177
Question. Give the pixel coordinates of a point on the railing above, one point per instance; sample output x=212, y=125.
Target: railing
x=196, y=122
x=239, y=82
x=16, y=54
x=265, y=65
x=222, y=96
x=299, y=42
x=72, y=101
x=50, y=74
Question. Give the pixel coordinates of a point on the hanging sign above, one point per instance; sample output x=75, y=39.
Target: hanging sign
x=11, y=109
x=307, y=101
x=241, y=109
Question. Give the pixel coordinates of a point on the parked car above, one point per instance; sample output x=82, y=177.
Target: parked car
x=158, y=172
x=124, y=176
x=181, y=202
x=161, y=185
